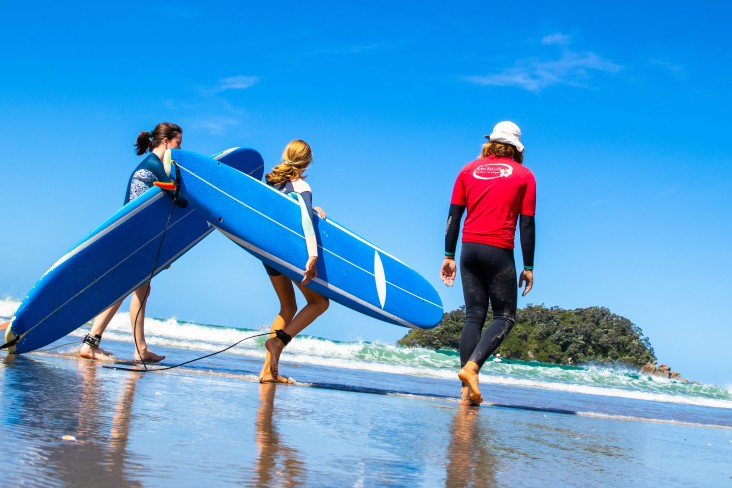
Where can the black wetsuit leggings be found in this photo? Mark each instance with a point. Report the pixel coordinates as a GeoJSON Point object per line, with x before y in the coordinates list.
{"type": "Point", "coordinates": [488, 276]}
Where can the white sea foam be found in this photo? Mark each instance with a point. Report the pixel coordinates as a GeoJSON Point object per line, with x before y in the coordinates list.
{"type": "Point", "coordinates": [8, 306]}
{"type": "Point", "coordinates": [621, 382]}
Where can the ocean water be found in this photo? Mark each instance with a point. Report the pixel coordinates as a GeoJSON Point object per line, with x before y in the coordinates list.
{"type": "Point", "coordinates": [360, 414]}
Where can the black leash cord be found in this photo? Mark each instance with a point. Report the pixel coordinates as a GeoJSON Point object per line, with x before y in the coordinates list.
{"type": "Point", "coordinates": [142, 305]}
{"type": "Point", "coordinates": [146, 370]}
{"type": "Point", "coordinates": [155, 265]}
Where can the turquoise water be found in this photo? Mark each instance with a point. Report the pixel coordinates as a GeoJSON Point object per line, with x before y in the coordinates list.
{"type": "Point", "coordinates": [361, 414]}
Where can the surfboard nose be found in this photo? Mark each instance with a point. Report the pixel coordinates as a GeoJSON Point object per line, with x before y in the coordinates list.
{"type": "Point", "coordinates": [10, 337]}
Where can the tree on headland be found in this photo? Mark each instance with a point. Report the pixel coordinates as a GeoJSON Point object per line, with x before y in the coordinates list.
{"type": "Point", "coordinates": [552, 335]}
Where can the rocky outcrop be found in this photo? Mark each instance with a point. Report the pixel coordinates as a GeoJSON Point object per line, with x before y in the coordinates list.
{"type": "Point", "coordinates": [663, 371]}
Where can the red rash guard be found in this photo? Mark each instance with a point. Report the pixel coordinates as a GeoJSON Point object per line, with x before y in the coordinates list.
{"type": "Point", "coordinates": [495, 191]}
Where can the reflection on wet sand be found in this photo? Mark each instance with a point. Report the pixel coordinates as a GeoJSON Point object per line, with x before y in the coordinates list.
{"type": "Point", "coordinates": [65, 414]}
{"type": "Point", "coordinates": [102, 448]}
{"type": "Point", "coordinates": [277, 464]}
{"type": "Point", "coordinates": [470, 459]}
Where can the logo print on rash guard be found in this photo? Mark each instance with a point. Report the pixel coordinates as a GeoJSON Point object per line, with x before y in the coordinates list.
{"type": "Point", "coordinates": [492, 171]}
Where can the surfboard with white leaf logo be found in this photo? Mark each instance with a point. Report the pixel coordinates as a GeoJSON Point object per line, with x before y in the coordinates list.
{"type": "Point", "coordinates": [268, 224]}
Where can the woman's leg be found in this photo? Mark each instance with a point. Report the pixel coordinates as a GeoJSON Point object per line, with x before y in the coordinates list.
{"type": "Point", "coordinates": [137, 320]}
{"type": "Point", "coordinates": [316, 305]}
{"type": "Point", "coordinates": [101, 322]}
{"type": "Point", "coordinates": [288, 307]}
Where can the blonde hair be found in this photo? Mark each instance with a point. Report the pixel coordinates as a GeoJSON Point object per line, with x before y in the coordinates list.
{"type": "Point", "coordinates": [501, 150]}
{"type": "Point", "coordinates": [295, 159]}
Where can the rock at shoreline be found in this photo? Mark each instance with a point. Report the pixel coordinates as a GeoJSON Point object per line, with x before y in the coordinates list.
{"type": "Point", "coordinates": [664, 371]}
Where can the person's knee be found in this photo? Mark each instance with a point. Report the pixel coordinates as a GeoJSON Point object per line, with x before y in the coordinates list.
{"type": "Point", "coordinates": [288, 311]}
{"type": "Point", "coordinates": [507, 316]}
{"type": "Point", "coordinates": [321, 304]}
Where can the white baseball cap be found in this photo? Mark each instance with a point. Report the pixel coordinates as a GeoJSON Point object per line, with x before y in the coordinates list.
{"type": "Point", "coordinates": [508, 133]}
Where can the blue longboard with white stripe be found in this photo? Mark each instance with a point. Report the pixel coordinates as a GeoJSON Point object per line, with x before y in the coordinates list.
{"type": "Point", "coordinates": [115, 259]}
{"type": "Point", "coordinates": [268, 224]}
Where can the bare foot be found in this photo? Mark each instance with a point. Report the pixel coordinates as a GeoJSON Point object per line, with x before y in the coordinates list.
{"type": "Point", "coordinates": [268, 378]}
{"type": "Point", "coordinates": [469, 376]}
{"type": "Point", "coordinates": [465, 397]}
{"type": "Point", "coordinates": [96, 354]}
{"type": "Point", "coordinates": [148, 357]}
{"type": "Point", "coordinates": [265, 376]}
{"type": "Point", "coordinates": [274, 346]}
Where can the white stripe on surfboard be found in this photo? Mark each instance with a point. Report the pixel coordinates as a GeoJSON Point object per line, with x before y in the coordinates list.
{"type": "Point", "coordinates": [325, 284]}
{"type": "Point", "coordinates": [147, 277]}
{"type": "Point", "coordinates": [218, 157]}
{"type": "Point", "coordinates": [302, 236]}
{"type": "Point", "coordinates": [104, 232]}
{"type": "Point", "coordinates": [332, 222]}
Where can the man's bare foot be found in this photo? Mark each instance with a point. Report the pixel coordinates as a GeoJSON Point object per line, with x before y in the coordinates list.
{"type": "Point", "coordinates": [465, 397]}
{"type": "Point", "coordinates": [274, 346]}
{"type": "Point", "coordinates": [147, 356]}
{"type": "Point", "coordinates": [469, 376]}
{"type": "Point", "coordinates": [96, 354]}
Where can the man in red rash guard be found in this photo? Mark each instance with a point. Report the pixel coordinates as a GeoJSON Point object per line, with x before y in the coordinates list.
{"type": "Point", "coordinates": [497, 191]}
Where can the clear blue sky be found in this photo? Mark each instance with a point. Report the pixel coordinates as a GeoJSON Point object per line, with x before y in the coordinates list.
{"type": "Point", "coordinates": [624, 109]}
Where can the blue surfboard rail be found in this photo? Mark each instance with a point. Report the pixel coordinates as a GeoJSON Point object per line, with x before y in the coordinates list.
{"type": "Point", "coordinates": [268, 224]}
{"type": "Point", "coordinates": [113, 260]}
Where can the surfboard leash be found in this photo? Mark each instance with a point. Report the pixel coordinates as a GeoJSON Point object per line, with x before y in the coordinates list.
{"type": "Point", "coordinates": [146, 370]}
{"type": "Point", "coordinates": [157, 257]}
{"type": "Point", "coordinates": [11, 343]}
{"type": "Point", "coordinates": [142, 361]}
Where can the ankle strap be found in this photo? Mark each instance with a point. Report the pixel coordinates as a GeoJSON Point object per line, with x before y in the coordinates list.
{"type": "Point", "coordinates": [283, 336]}
{"type": "Point", "coordinates": [92, 340]}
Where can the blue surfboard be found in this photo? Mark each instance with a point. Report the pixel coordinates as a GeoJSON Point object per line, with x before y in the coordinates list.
{"type": "Point", "coordinates": [115, 259]}
{"type": "Point", "coordinates": [268, 224]}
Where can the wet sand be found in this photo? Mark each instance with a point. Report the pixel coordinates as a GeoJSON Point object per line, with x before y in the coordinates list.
{"type": "Point", "coordinates": [71, 422]}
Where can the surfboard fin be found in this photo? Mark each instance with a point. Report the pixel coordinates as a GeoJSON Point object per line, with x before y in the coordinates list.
{"type": "Point", "coordinates": [167, 160]}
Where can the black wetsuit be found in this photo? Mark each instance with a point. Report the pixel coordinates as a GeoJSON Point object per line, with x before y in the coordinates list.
{"type": "Point", "coordinates": [489, 278]}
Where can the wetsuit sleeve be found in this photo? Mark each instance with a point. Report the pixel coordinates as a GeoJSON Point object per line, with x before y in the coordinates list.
{"type": "Point", "coordinates": [528, 239]}
{"type": "Point", "coordinates": [305, 199]}
{"type": "Point", "coordinates": [452, 230]}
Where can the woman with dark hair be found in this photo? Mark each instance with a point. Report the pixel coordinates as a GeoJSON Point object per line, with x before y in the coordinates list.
{"type": "Point", "coordinates": [288, 178]}
{"type": "Point", "coordinates": [164, 136]}
{"type": "Point", "coordinates": [497, 191]}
